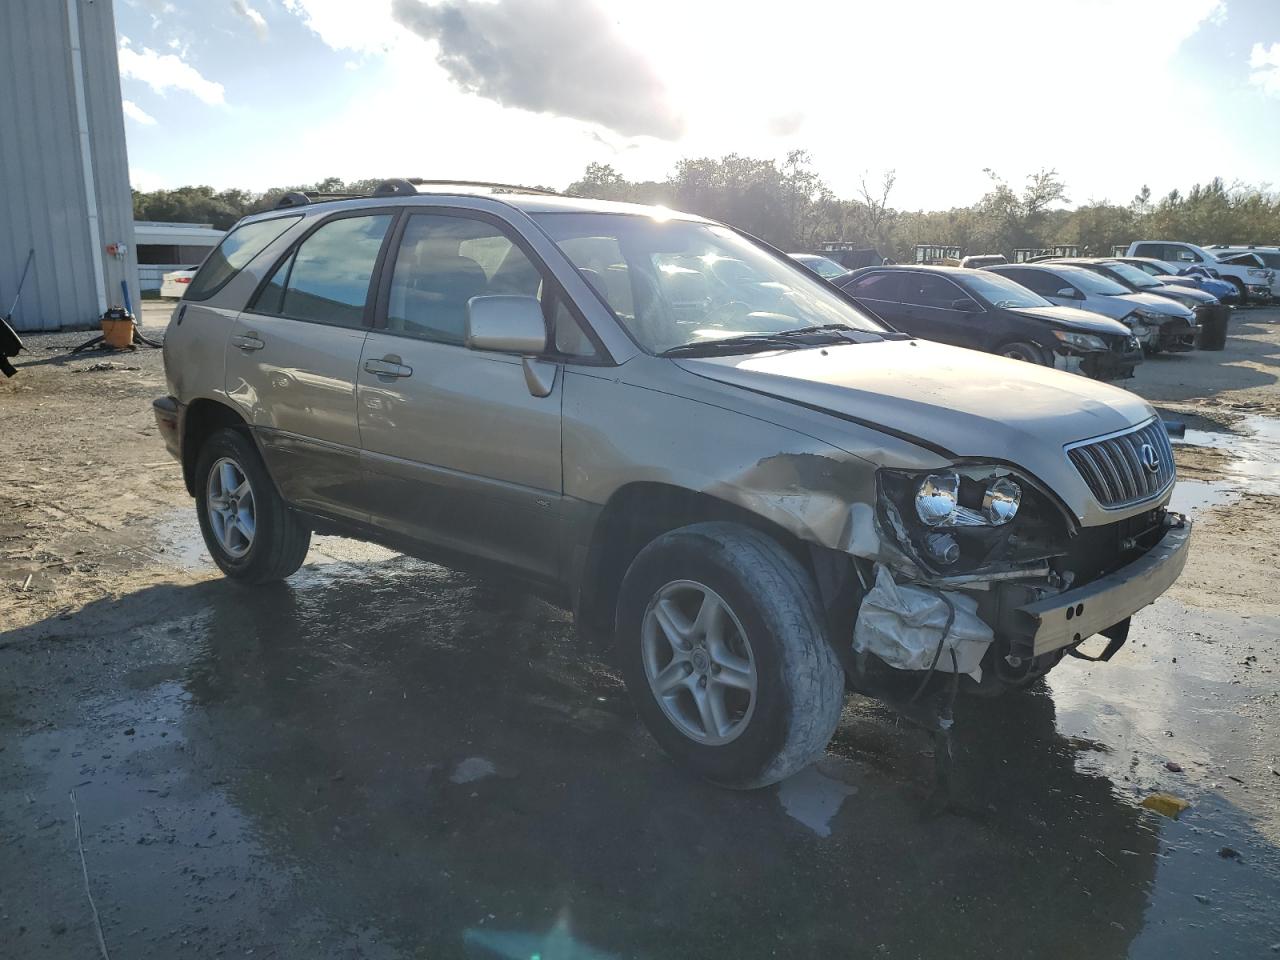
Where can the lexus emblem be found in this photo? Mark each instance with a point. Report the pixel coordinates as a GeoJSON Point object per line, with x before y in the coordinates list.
{"type": "Point", "coordinates": [1150, 459]}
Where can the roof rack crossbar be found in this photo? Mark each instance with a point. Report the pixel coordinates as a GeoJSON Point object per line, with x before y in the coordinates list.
{"type": "Point", "coordinates": [513, 187]}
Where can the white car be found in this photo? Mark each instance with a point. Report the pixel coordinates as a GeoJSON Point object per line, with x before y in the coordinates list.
{"type": "Point", "coordinates": [174, 283]}
{"type": "Point", "coordinates": [1252, 278]}
{"type": "Point", "coordinates": [1270, 257]}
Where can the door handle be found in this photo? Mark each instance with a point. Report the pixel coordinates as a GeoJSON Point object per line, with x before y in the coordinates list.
{"type": "Point", "coordinates": [389, 366]}
{"type": "Point", "coordinates": [248, 343]}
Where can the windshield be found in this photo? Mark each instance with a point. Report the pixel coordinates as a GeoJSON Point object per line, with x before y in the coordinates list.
{"type": "Point", "coordinates": [1131, 274]}
{"type": "Point", "coordinates": [1094, 283]}
{"type": "Point", "coordinates": [823, 267]}
{"type": "Point", "coordinates": [1002, 292]}
{"type": "Point", "coordinates": [676, 282]}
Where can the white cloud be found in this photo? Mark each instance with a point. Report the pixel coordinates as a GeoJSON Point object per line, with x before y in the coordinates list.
{"type": "Point", "coordinates": [137, 114]}
{"type": "Point", "coordinates": [361, 27]}
{"type": "Point", "coordinates": [165, 71]}
{"type": "Point", "coordinates": [1264, 66]}
{"type": "Point", "coordinates": [253, 16]}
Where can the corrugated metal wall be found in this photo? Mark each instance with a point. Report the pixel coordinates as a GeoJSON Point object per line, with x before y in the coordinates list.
{"type": "Point", "coordinates": [43, 192]}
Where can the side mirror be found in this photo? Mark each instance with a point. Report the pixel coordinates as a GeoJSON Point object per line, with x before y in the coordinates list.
{"type": "Point", "coordinates": [506, 324]}
{"type": "Point", "coordinates": [964, 305]}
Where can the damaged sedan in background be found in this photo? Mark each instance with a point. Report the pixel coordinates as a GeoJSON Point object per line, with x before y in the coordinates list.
{"type": "Point", "coordinates": [755, 493]}
{"type": "Point", "coordinates": [984, 311]}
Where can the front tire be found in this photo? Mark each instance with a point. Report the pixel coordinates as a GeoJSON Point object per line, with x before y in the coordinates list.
{"type": "Point", "coordinates": [251, 534]}
{"type": "Point", "coordinates": [724, 651]}
{"type": "Point", "coordinates": [1021, 350]}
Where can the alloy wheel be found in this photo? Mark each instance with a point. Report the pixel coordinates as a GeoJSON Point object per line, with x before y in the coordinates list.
{"type": "Point", "coordinates": [232, 512]}
{"type": "Point", "coordinates": [698, 662]}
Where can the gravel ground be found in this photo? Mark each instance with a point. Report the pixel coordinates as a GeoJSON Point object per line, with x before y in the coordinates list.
{"type": "Point", "coordinates": [385, 759]}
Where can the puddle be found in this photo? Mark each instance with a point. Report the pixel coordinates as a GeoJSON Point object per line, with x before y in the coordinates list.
{"type": "Point", "coordinates": [1195, 496]}
{"type": "Point", "coordinates": [812, 798]}
{"type": "Point", "coordinates": [1253, 444]}
{"type": "Point", "coordinates": [178, 540]}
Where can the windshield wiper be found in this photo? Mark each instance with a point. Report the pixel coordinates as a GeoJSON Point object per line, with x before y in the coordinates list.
{"type": "Point", "coordinates": [784, 339]}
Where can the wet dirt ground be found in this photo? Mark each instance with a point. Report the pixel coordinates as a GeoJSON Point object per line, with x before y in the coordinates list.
{"type": "Point", "coordinates": [384, 759]}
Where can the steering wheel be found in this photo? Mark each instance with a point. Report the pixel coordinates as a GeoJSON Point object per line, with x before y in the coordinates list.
{"type": "Point", "coordinates": [730, 312]}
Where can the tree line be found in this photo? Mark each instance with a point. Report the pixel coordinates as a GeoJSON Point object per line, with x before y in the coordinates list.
{"type": "Point", "coordinates": [787, 204]}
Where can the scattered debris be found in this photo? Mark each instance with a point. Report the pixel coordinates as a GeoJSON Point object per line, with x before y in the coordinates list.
{"type": "Point", "coordinates": [1229, 853]}
{"type": "Point", "coordinates": [1173, 767]}
{"type": "Point", "coordinates": [1165, 804]}
{"type": "Point", "coordinates": [1202, 898]}
{"type": "Point", "coordinates": [104, 365]}
{"type": "Point", "coordinates": [1232, 776]}
{"type": "Point", "coordinates": [84, 867]}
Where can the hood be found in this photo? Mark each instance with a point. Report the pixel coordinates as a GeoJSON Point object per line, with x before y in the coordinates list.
{"type": "Point", "coordinates": [1076, 319]}
{"type": "Point", "coordinates": [957, 402]}
{"type": "Point", "coordinates": [1191, 293]}
{"type": "Point", "coordinates": [1152, 304]}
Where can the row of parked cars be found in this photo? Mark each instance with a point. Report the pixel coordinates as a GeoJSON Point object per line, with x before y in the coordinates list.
{"type": "Point", "coordinates": [1091, 315]}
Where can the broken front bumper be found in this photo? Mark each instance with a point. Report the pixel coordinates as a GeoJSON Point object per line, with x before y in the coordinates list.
{"type": "Point", "coordinates": [1067, 618]}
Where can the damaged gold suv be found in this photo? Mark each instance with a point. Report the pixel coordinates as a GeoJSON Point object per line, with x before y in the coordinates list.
{"type": "Point", "coordinates": [759, 495]}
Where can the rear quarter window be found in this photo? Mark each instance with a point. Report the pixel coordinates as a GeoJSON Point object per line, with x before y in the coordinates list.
{"type": "Point", "coordinates": [235, 252]}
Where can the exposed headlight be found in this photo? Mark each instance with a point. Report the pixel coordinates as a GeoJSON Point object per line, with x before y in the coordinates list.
{"type": "Point", "coordinates": [937, 498]}
{"type": "Point", "coordinates": [1001, 501]}
{"type": "Point", "coordinates": [938, 502]}
{"type": "Point", "coordinates": [1081, 341]}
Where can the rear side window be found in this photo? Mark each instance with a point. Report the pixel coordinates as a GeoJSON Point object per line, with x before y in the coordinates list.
{"type": "Point", "coordinates": [886, 286]}
{"type": "Point", "coordinates": [234, 252]}
{"type": "Point", "coordinates": [327, 279]}
{"type": "Point", "coordinates": [1039, 281]}
{"type": "Point", "coordinates": [928, 290]}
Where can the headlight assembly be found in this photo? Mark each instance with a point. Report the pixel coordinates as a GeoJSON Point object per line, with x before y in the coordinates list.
{"type": "Point", "coordinates": [1081, 341]}
{"type": "Point", "coordinates": [965, 516]}
{"type": "Point", "coordinates": [937, 501]}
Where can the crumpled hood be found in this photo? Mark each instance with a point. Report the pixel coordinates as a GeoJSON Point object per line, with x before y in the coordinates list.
{"type": "Point", "coordinates": [957, 402]}
{"type": "Point", "coordinates": [1075, 319]}
{"type": "Point", "coordinates": [1154, 304]}
{"type": "Point", "coordinates": [1194, 293]}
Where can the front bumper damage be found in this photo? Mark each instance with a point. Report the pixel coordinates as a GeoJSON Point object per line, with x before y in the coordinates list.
{"type": "Point", "coordinates": [1118, 363]}
{"type": "Point", "coordinates": [1038, 600]}
{"type": "Point", "coordinates": [1064, 619]}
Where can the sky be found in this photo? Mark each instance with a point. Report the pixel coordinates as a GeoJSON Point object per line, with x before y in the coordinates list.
{"type": "Point", "coordinates": [1113, 94]}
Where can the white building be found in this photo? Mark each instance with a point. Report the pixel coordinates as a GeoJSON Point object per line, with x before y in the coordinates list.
{"type": "Point", "coordinates": [162, 247]}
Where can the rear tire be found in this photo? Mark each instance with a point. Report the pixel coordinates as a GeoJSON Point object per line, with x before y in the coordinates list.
{"type": "Point", "coordinates": [1021, 350]}
{"type": "Point", "coordinates": [251, 534]}
{"type": "Point", "coordinates": [718, 613]}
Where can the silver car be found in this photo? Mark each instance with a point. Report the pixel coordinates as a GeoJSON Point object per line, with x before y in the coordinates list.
{"type": "Point", "coordinates": [754, 493]}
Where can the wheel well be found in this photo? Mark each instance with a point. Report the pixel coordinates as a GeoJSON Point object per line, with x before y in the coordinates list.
{"type": "Point", "coordinates": [636, 515]}
{"type": "Point", "coordinates": [202, 418]}
{"type": "Point", "coordinates": [1240, 287]}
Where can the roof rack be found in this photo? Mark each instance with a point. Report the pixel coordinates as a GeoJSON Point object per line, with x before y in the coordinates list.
{"type": "Point", "coordinates": [399, 187]}
{"type": "Point", "coordinates": [300, 198]}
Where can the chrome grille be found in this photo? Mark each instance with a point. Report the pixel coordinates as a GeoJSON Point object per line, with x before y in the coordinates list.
{"type": "Point", "coordinates": [1113, 466]}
